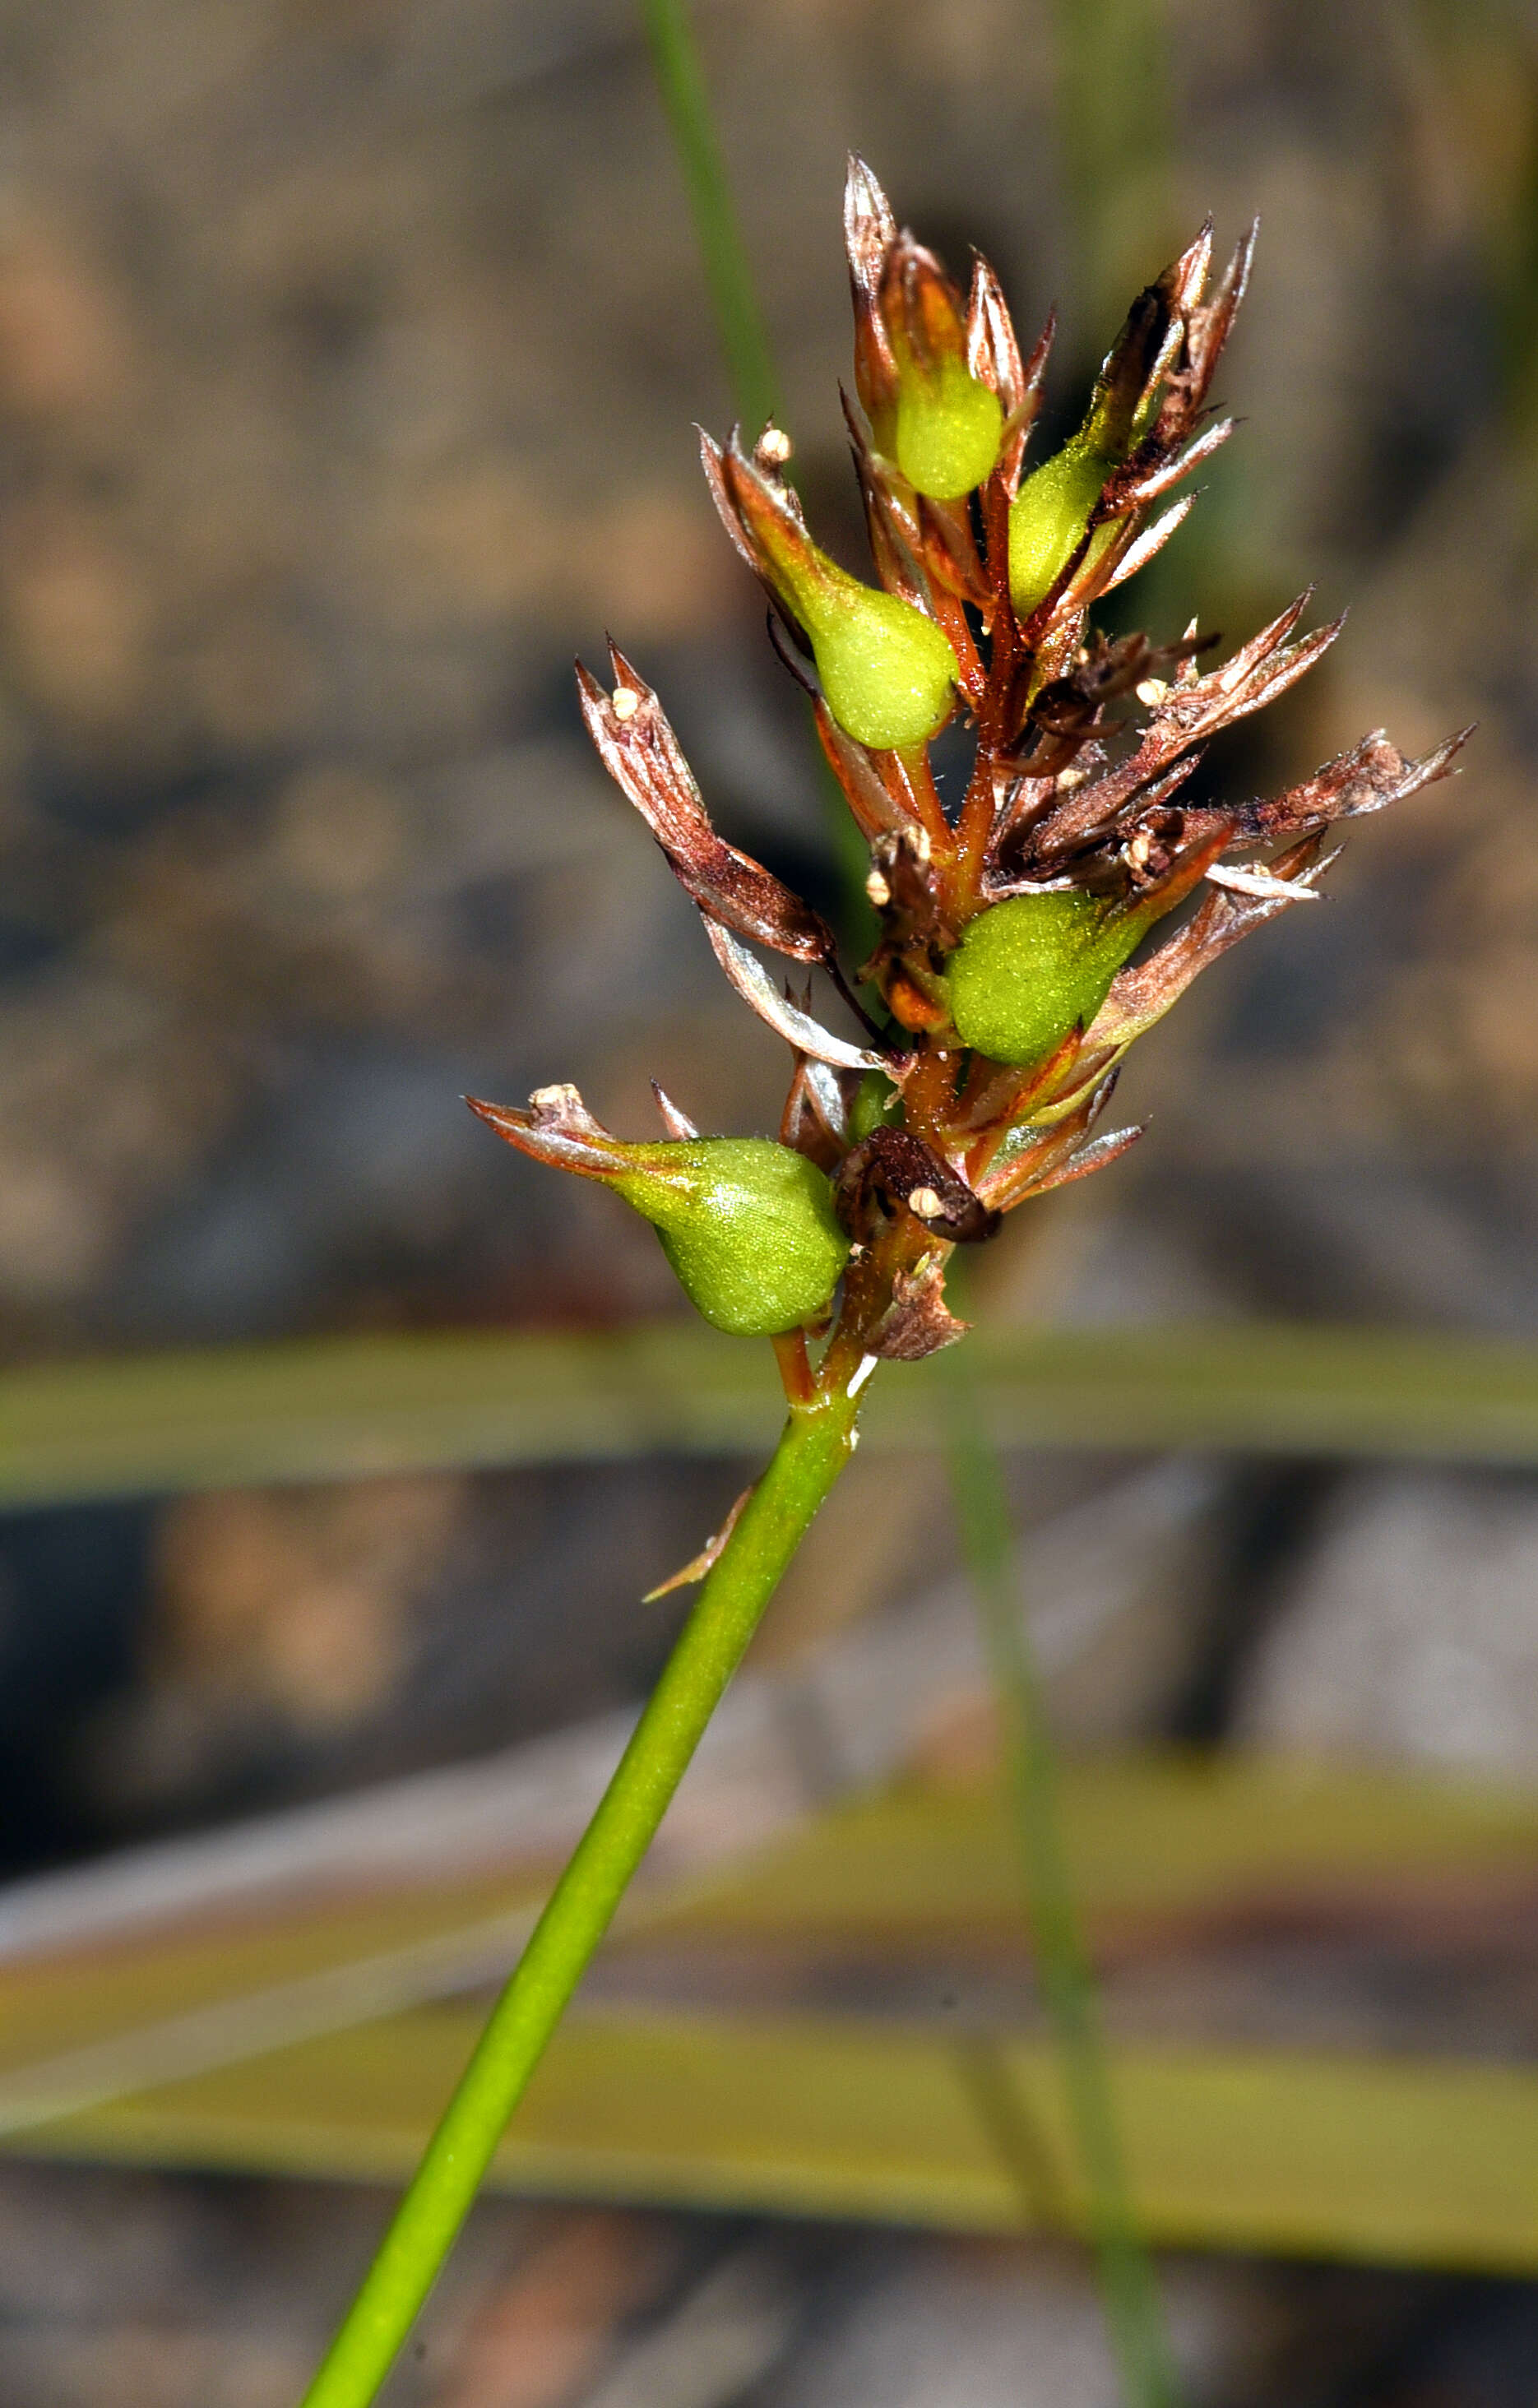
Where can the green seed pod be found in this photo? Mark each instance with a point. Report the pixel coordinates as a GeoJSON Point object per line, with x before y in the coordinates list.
{"type": "Point", "coordinates": [948, 427]}
{"type": "Point", "coordinates": [1026, 972]}
{"type": "Point", "coordinates": [748, 1227]}
{"type": "Point", "coordinates": [888, 673]}
{"type": "Point", "coordinates": [1047, 519]}
{"type": "Point", "coordinates": [878, 1104]}
{"type": "Point", "coordinates": [1050, 512]}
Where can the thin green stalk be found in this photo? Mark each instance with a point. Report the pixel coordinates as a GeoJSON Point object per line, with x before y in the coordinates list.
{"type": "Point", "coordinates": [739, 323]}
{"type": "Point", "coordinates": [1116, 143]}
{"type": "Point", "coordinates": [1128, 2289]}
{"type": "Point", "coordinates": [728, 273]}
{"type": "Point", "coordinates": [1130, 2298]}
{"type": "Point", "coordinates": [816, 1443]}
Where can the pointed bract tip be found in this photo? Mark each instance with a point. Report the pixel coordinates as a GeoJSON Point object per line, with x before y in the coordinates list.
{"type": "Point", "coordinates": [501, 1117]}
{"type": "Point", "coordinates": [864, 198]}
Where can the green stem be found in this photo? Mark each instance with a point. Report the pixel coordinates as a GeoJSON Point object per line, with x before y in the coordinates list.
{"type": "Point", "coordinates": [750, 362]}
{"type": "Point", "coordinates": [727, 270]}
{"type": "Point", "coordinates": [816, 1443]}
{"type": "Point", "coordinates": [1134, 2312]}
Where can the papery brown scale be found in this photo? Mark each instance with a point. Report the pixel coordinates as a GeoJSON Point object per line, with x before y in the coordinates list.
{"type": "Point", "coordinates": [913, 777]}
{"type": "Point", "coordinates": [879, 807]}
{"type": "Point", "coordinates": [1253, 676]}
{"type": "Point", "coordinates": [951, 554]}
{"type": "Point", "coordinates": [816, 1119]}
{"type": "Point", "coordinates": [1027, 802]}
{"type": "Point", "coordinates": [1132, 487]}
{"type": "Point", "coordinates": [919, 1321]}
{"type": "Point", "coordinates": [557, 1129]}
{"type": "Point", "coordinates": [642, 756]}
{"type": "Point", "coordinates": [895, 1165]}
{"type": "Point", "coordinates": [1132, 366]}
{"type": "Point", "coordinates": [1046, 1160]}
{"type": "Point", "coordinates": [1077, 822]}
{"type": "Point", "coordinates": [803, 1034]}
{"type": "Point", "coordinates": [1082, 1163]}
{"type": "Point", "coordinates": [892, 524]}
{"type": "Point", "coordinates": [678, 1125]}
{"type": "Point", "coordinates": [922, 307]}
{"type": "Point", "coordinates": [869, 232]}
{"type": "Point", "coordinates": [1112, 668]}
{"type": "Point", "coordinates": [1181, 283]}
{"type": "Point", "coordinates": [911, 911]}
{"type": "Point", "coordinates": [993, 349]}
{"type": "Point", "coordinates": [1142, 993]}
{"type": "Point", "coordinates": [1001, 1096]}
{"type": "Point", "coordinates": [1208, 327]}
{"type": "Point", "coordinates": [948, 595]}
{"type": "Point", "coordinates": [754, 504]}
{"type": "Point", "coordinates": [1023, 416]}
{"type": "Point", "coordinates": [712, 460]}
{"type": "Point", "coordinates": [1148, 544]}
{"type": "Point", "coordinates": [1054, 627]}
{"type": "Point", "coordinates": [1368, 778]}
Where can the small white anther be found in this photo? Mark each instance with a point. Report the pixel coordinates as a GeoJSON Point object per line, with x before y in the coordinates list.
{"type": "Point", "coordinates": [1071, 777]}
{"type": "Point", "coordinates": [1261, 884]}
{"type": "Point", "coordinates": [558, 1098]}
{"type": "Point", "coordinates": [878, 891]}
{"type": "Point", "coordinates": [919, 838]}
{"type": "Point", "coordinates": [774, 448]}
{"type": "Point", "coordinates": [925, 1202]}
{"type": "Point", "coordinates": [626, 704]}
{"type": "Point", "coordinates": [1152, 690]}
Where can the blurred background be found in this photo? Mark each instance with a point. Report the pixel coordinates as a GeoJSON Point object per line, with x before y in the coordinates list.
{"type": "Point", "coordinates": [349, 356]}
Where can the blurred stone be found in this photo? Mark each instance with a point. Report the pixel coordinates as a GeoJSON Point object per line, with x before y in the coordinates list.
{"type": "Point", "coordinates": [1408, 1630]}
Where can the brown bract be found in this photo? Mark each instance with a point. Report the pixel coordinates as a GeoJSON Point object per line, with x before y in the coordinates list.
{"type": "Point", "coordinates": [642, 756]}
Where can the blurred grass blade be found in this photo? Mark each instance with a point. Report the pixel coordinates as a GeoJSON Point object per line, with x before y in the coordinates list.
{"type": "Point", "coordinates": [1427, 2160]}
{"type": "Point", "coordinates": [344, 1408]}
{"type": "Point", "coordinates": [1115, 138]}
{"type": "Point", "coordinates": [1130, 2295]}
{"type": "Point", "coordinates": [1399, 2160]}
{"type": "Point", "coordinates": [733, 294]}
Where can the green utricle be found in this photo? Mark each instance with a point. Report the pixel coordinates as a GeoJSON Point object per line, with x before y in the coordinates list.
{"type": "Point", "coordinates": [748, 1227]}
{"type": "Point", "coordinates": [948, 427]}
{"type": "Point", "coordinates": [1030, 969]}
{"type": "Point", "coordinates": [1047, 519]}
{"type": "Point", "coordinates": [888, 673]}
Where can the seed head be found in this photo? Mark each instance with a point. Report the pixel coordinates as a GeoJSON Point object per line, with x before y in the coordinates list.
{"type": "Point", "coordinates": [1009, 976]}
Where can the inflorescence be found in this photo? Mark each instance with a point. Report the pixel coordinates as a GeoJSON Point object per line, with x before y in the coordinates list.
{"type": "Point", "coordinates": [1001, 994]}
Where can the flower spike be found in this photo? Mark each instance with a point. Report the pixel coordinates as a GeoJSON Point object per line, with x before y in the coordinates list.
{"type": "Point", "coordinates": [1010, 971]}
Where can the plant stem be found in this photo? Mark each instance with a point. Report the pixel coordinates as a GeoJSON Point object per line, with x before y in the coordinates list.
{"type": "Point", "coordinates": [1130, 2294]}
{"type": "Point", "coordinates": [738, 320]}
{"type": "Point", "coordinates": [816, 1443]}
{"type": "Point", "coordinates": [740, 325]}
